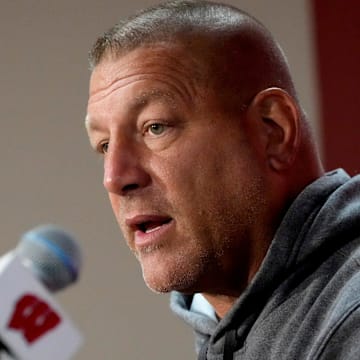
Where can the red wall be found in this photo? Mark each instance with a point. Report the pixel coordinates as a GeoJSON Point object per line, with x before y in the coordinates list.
{"type": "Point", "coordinates": [337, 41]}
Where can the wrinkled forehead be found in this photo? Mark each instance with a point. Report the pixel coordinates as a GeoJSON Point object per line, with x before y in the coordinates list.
{"type": "Point", "coordinates": [174, 61]}
{"type": "Point", "coordinates": [195, 68]}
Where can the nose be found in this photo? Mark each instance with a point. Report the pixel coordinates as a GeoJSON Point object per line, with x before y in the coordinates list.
{"type": "Point", "coordinates": [123, 172]}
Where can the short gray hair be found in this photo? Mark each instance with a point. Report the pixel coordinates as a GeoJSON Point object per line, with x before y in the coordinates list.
{"type": "Point", "coordinates": [167, 22]}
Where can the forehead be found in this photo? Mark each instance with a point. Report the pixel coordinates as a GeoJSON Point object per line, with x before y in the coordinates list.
{"type": "Point", "coordinates": [171, 65]}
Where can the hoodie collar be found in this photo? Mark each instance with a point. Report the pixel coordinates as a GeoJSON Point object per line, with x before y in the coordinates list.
{"type": "Point", "coordinates": [304, 231]}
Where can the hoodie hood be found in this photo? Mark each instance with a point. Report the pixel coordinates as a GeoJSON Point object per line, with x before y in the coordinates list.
{"type": "Point", "coordinates": [323, 218]}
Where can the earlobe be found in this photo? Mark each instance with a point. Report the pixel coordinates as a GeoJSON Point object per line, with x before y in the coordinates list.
{"type": "Point", "coordinates": [280, 122]}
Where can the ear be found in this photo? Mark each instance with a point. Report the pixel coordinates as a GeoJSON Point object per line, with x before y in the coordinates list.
{"type": "Point", "coordinates": [279, 119]}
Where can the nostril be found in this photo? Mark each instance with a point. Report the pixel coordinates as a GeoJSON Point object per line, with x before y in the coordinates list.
{"type": "Point", "coordinates": [129, 188]}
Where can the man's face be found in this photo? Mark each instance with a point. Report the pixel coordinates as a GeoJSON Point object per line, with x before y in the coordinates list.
{"type": "Point", "coordinates": [182, 178]}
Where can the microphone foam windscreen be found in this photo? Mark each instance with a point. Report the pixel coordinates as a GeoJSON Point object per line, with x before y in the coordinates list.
{"type": "Point", "coordinates": [52, 254]}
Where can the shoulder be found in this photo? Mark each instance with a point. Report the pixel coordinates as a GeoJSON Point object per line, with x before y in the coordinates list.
{"type": "Point", "coordinates": [342, 339]}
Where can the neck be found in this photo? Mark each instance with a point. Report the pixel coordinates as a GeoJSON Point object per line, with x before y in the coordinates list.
{"type": "Point", "coordinates": [221, 303]}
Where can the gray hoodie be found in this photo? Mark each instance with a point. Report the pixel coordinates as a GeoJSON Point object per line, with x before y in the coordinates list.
{"type": "Point", "coordinates": [304, 302]}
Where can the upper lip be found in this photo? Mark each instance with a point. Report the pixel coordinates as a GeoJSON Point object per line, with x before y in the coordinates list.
{"type": "Point", "coordinates": [140, 222]}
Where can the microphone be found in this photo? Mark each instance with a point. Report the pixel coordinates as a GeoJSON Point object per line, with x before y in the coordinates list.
{"type": "Point", "coordinates": [32, 324]}
{"type": "Point", "coordinates": [52, 254]}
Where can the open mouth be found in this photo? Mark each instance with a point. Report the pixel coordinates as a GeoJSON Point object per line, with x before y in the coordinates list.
{"type": "Point", "coordinates": [150, 226]}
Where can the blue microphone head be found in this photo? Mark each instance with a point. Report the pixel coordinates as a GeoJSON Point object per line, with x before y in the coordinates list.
{"type": "Point", "coordinates": [52, 254]}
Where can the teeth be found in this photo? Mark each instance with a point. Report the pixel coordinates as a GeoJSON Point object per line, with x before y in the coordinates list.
{"type": "Point", "coordinates": [151, 226]}
{"type": "Point", "coordinates": [147, 231]}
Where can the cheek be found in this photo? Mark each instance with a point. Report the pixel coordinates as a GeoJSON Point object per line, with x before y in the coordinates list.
{"type": "Point", "coordinates": [193, 187]}
{"type": "Point", "coordinates": [210, 184]}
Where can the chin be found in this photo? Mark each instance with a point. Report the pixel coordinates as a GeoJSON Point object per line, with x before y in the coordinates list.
{"type": "Point", "coordinates": [164, 271]}
{"type": "Point", "coordinates": [169, 279]}
{"type": "Point", "coordinates": [157, 285]}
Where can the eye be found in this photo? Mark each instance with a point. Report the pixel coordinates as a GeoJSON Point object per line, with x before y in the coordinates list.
{"type": "Point", "coordinates": [103, 147]}
{"type": "Point", "coordinates": [156, 128]}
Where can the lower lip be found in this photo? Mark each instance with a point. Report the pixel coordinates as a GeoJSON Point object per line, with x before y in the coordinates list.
{"type": "Point", "coordinates": [153, 237]}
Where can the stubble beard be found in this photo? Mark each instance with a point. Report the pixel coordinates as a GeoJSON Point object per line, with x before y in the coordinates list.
{"type": "Point", "coordinates": [188, 268]}
{"type": "Point", "coordinates": [196, 268]}
{"type": "Point", "coordinates": [180, 271]}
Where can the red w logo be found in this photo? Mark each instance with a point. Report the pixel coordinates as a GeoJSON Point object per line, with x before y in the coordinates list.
{"type": "Point", "coordinates": [33, 317]}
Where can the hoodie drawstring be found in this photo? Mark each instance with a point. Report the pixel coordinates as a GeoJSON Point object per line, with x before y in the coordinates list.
{"type": "Point", "coordinates": [203, 351]}
{"type": "Point", "coordinates": [229, 347]}
{"type": "Point", "coordinates": [230, 344]}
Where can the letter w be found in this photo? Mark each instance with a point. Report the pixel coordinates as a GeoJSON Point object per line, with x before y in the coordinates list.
{"type": "Point", "coordinates": [33, 317]}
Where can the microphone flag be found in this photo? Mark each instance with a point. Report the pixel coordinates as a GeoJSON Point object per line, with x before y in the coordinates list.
{"type": "Point", "coordinates": [32, 324]}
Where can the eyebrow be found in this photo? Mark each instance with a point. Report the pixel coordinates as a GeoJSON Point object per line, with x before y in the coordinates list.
{"type": "Point", "coordinates": [138, 103]}
{"type": "Point", "coordinates": [145, 97]}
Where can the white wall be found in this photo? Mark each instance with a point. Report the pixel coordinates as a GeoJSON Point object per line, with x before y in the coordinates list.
{"type": "Point", "coordinates": [49, 174]}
